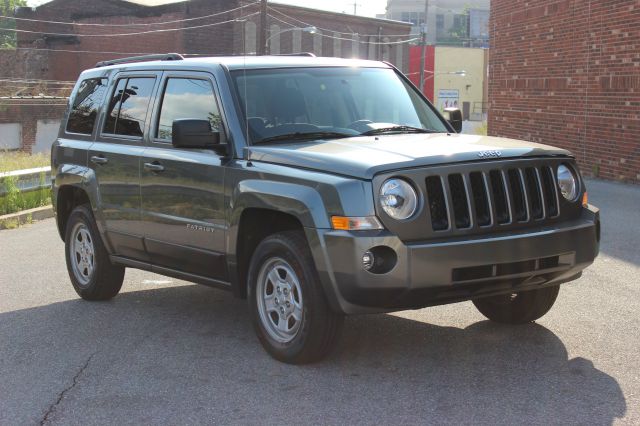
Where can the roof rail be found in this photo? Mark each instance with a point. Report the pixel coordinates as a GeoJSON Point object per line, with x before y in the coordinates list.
{"type": "Point", "coordinates": [157, 57]}
{"type": "Point", "coordinates": [295, 54]}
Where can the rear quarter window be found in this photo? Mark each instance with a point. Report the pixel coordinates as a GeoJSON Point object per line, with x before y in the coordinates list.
{"type": "Point", "coordinates": [85, 105]}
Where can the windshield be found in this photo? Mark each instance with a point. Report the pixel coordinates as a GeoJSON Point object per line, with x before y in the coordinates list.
{"type": "Point", "coordinates": [290, 103]}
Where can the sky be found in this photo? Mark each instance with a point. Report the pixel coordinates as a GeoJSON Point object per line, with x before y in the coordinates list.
{"type": "Point", "coordinates": [363, 7]}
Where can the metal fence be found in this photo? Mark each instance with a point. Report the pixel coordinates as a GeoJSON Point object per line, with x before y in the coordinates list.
{"type": "Point", "coordinates": [27, 180]}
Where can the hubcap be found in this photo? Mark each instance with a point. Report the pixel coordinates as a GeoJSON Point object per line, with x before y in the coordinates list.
{"type": "Point", "coordinates": [82, 253]}
{"type": "Point", "coordinates": [279, 300]}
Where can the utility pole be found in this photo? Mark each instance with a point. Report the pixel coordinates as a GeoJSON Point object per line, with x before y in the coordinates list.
{"type": "Point", "coordinates": [355, 7]}
{"type": "Point", "coordinates": [423, 57]}
{"type": "Point", "coordinates": [262, 42]}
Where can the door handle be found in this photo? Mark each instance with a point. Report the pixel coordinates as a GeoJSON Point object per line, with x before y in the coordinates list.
{"type": "Point", "coordinates": [154, 167]}
{"type": "Point", "coordinates": [99, 159]}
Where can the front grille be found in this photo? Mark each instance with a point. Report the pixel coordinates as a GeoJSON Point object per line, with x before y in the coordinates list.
{"type": "Point", "coordinates": [492, 197]}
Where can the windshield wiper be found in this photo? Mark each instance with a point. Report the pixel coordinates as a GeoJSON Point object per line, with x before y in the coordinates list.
{"type": "Point", "coordinates": [396, 129]}
{"type": "Point", "coordinates": [297, 136]}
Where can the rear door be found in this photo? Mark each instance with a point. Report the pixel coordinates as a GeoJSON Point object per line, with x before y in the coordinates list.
{"type": "Point", "coordinates": [183, 189]}
{"type": "Point", "coordinates": [115, 158]}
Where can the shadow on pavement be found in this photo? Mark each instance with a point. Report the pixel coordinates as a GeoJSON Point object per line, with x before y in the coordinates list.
{"type": "Point", "coordinates": [187, 354]}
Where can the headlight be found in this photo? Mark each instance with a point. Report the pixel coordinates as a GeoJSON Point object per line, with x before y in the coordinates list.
{"type": "Point", "coordinates": [567, 182]}
{"type": "Point", "coordinates": [398, 199]}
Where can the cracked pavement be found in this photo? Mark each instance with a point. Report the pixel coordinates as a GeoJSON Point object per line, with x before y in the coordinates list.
{"type": "Point", "coordinates": [169, 352]}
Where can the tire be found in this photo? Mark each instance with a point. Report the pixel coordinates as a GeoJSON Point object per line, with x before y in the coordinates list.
{"type": "Point", "coordinates": [283, 283]}
{"type": "Point", "coordinates": [92, 274]}
{"type": "Point", "coordinates": [518, 308]}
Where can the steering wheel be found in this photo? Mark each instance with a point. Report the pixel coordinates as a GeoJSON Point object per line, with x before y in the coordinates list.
{"type": "Point", "coordinates": [360, 125]}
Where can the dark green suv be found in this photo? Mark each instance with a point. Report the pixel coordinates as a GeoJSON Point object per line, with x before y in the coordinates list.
{"type": "Point", "coordinates": [313, 187]}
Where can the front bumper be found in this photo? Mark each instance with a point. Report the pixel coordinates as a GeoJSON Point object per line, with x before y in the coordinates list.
{"type": "Point", "coordinates": [436, 273]}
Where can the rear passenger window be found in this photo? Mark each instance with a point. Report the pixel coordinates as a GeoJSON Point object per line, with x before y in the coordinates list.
{"type": "Point", "coordinates": [187, 98]}
{"type": "Point", "coordinates": [128, 107]}
{"type": "Point", "coordinates": [86, 103]}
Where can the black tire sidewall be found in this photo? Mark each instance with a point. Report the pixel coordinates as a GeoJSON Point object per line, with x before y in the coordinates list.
{"type": "Point", "coordinates": [280, 246]}
{"type": "Point", "coordinates": [103, 269]}
{"type": "Point", "coordinates": [528, 306]}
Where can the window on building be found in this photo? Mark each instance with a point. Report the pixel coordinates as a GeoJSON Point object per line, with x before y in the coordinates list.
{"type": "Point", "coordinates": [460, 21]}
{"type": "Point", "coordinates": [85, 105]}
{"type": "Point", "coordinates": [414, 17]}
{"type": "Point", "coordinates": [128, 106]}
{"type": "Point", "coordinates": [187, 98]}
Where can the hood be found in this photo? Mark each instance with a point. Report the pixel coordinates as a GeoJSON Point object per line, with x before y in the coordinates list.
{"type": "Point", "coordinates": [364, 157]}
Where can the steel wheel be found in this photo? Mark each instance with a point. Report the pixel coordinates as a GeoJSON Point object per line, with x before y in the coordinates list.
{"type": "Point", "coordinates": [82, 253]}
{"type": "Point", "coordinates": [279, 298]}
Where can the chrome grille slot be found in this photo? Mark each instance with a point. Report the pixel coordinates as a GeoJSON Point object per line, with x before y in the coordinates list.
{"type": "Point", "coordinates": [461, 214]}
{"type": "Point", "coordinates": [437, 204]}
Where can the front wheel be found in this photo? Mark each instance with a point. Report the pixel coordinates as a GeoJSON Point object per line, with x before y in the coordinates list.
{"type": "Point", "coordinates": [518, 308]}
{"type": "Point", "coordinates": [92, 274]}
{"type": "Point", "coordinates": [288, 307]}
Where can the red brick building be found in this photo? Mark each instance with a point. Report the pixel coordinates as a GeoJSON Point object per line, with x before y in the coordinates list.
{"type": "Point", "coordinates": [59, 51]}
{"type": "Point", "coordinates": [567, 73]}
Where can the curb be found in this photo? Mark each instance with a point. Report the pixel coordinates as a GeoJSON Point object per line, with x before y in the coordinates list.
{"type": "Point", "coordinates": [20, 218]}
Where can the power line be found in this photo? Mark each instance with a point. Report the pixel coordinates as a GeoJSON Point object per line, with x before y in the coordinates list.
{"type": "Point", "coordinates": [359, 35]}
{"type": "Point", "coordinates": [35, 81]}
{"type": "Point", "coordinates": [324, 29]}
{"type": "Point", "coordinates": [129, 25]}
{"type": "Point", "coordinates": [86, 51]}
{"type": "Point", "coordinates": [130, 34]}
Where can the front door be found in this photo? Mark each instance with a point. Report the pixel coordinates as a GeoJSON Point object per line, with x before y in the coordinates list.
{"type": "Point", "coordinates": [183, 189]}
{"type": "Point", "coordinates": [115, 159]}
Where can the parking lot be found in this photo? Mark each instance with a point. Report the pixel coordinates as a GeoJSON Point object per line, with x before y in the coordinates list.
{"type": "Point", "coordinates": [165, 351]}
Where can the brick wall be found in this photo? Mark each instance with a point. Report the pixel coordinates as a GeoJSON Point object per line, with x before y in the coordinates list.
{"type": "Point", "coordinates": [567, 73]}
{"type": "Point", "coordinates": [27, 113]}
{"type": "Point", "coordinates": [225, 39]}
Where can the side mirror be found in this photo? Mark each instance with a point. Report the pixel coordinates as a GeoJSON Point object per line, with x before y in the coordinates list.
{"type": "Point", "coordinates": [192, 133]}
{"type": "Point", "coordinates": [454, 117]}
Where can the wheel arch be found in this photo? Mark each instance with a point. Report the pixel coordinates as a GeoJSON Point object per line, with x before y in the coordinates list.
{"type": "Point", "coordinates": [262, 208]}
{"type": "Point", "coordinates": [73, 185]}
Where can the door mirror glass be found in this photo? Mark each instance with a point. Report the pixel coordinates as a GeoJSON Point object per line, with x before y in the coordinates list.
{"type": "Point", "coordinates": [193, 133]}
{"type": "Point", "coordinates": [454, 117]}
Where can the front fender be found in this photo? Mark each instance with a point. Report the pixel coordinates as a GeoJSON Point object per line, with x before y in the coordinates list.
{"type": "Point", "coordinates": [302, 202]}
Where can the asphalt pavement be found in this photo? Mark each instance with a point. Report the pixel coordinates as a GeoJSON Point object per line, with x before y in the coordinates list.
{"type": "Point", "coordinates": [169, 352]}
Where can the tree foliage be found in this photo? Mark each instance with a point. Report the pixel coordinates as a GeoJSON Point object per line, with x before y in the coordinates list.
{"type": "Point", "coordinates": [7, 35]}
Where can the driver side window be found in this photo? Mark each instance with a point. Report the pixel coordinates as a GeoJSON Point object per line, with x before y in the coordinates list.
{"type": "Point", "coordinates": [187, 98]}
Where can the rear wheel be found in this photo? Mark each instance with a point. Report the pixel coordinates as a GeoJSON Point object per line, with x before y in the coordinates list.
{"type": "Point", "coordinates": [92, 274]}
{"type": "Point", "coordinates": [288, 307]}
{"type": "Point", "coordinates": [518, 308]}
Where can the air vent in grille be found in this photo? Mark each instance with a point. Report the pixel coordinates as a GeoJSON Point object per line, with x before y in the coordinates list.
{"type": "Point", "coordinates": [499, 197]}
{"type": "Point", "coordinates": [480, 200]}
{"type": "Point", "coordinates": [437, 204]}
{"type": "Point", "coordinates": [459, 200]}
{"type": "Point", "coordinates": [535, 194]}
{"type": "Point", "coordinates": [491, 198]}
{"type": "Point", "coordinates": [548, 185]}
{"type": "Point", "coordinates": [517, 195]}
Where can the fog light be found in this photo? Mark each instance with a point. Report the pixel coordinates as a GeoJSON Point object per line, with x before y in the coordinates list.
{"type": "Point", "coordinates": [367, 260]}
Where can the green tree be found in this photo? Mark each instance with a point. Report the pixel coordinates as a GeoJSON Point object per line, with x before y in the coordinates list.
{"type": "Point", "coordinates": [8, 39]}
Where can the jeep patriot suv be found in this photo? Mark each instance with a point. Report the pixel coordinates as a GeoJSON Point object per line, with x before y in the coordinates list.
{"type": "Point", "coordinates": [312, 187]}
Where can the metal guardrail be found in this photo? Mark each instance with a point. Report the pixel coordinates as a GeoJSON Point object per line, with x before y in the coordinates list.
{"type": "Point", "coordinates": [27, 180]}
